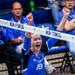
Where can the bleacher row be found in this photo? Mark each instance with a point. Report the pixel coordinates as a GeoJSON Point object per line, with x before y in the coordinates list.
{"type": "Point", "coordinates": [43, 19]}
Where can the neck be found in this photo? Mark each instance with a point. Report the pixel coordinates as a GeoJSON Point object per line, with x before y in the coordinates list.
{"type": "Point", "coordinates": [35, 52]}
{"type": "Point", "coordinates": [72, 10]}
{"type": "Point", "coordinates": [18, 18]}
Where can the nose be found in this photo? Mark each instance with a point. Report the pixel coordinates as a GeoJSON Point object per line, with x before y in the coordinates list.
{"type": "Point", "coordinates": [38, 40]}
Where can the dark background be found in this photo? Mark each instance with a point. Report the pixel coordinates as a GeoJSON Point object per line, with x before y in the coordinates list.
{"type": "Point", "coordinates": [6, 4]}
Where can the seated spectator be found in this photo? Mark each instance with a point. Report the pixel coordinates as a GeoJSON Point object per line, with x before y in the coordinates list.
{"type": "Point", "coordinates": [16, 37]}
{"type": "Point", "coordinates": [8, 53]}
{"type": "Point", "coordinates": [61, 3]}
{"type": "Point", "coordinates": [70, 25]}
{"type": "Point", "coordinates": [54, 5]}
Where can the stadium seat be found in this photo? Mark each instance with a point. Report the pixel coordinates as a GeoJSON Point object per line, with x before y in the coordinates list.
{"type": "Point", "coordinates": [6, 16]}
{"type": "Point", "coordinates": [43, 16]}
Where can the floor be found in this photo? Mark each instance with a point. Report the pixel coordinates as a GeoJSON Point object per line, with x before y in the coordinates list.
{"type": "Point", "coordinates": [66, 72]}
{"type": "Point", "coordinates": [3, 69]}
{"type": "Point", "coordinates": [57, 63]}
{"type": "Point", "coordinates": [57, 72]}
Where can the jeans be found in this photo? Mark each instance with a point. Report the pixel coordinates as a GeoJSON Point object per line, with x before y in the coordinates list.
{"type": "Point", "coordinates": [55, 9]}
{"type": "Point", "coordinates": [71, 46]}
{"type": "Point", "coordinates": [9, 56]}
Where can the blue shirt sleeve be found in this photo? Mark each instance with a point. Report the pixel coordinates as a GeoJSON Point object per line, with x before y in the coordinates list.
{"type": "Point", "coordinates": [27, 42]}
{"type": "Point", "coordinates": [3, 35]}
{"type": "Point", "coordinates": [51, 41]}
{"type": "Point", "coordinates": [60, 16]}
{"type": "Point", "coordinates": [9, 33]}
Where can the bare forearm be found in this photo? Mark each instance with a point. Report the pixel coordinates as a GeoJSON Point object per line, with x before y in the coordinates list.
{"type": "Point", "coordinates": [69, 25]}
{"type": "Point", "coordinates": [17, 41]}
{"type": "Point", "coordinates": [28, 34]}
{"type": "Point", "coordinates": [62, 23]}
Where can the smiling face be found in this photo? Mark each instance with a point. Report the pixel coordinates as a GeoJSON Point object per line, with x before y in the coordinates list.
{"type": "Point", "coordinates": [36, 42]}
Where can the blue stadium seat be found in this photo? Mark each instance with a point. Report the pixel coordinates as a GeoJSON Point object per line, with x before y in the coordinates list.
{"type": "Point", "coordinates": [6, 16]}
{"type": "Point", "coordinates": [42, 16]}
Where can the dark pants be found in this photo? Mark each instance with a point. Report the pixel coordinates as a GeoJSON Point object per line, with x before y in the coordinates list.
{"type": "Point", "coordinates": [9, 56]}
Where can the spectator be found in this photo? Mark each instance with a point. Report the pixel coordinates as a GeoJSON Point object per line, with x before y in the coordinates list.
{"type": "Point", "coordinates": [70, 25]}
{"type": "Point", "coordinates": [61, 3]}
{"type": "Point", "coordinates": [34, 58]}
{"type": "Point", "coordinates": [54, 6]}
{"type": "Point", "coordinates": [7, 52]}
{"type": "Point", "coordinates": [16, 37]}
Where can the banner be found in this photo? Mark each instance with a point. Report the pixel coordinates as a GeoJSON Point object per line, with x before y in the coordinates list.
{"type": "Point", "coordinates": [41, 31]}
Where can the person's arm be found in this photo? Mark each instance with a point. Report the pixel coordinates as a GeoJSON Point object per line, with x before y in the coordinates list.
{"type": "Point", "coordinates": [62, 23]}
{"type": "Point", "coordinates": [70, 25]}
{"type": "Point", "coordinates": [51, 41]}
{"type": "Point", "coordinates": [56, 3]}
{"type": "Point", "coordinates": [10, 34]}
{"type": "Point", "coordinates": [30, 18]}
{"type": "Point", "coordinates": [27, 39]}
{"type": "Point", "coordinates": [18, 40]}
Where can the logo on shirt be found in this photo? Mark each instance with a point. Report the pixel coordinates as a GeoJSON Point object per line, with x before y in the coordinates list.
{"type": "Point", "coordinates": [39, 66]}
{"type": "Point", "coordinates": [45, 27]}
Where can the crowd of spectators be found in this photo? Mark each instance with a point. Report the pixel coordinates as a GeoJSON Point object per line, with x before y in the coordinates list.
{"type": "Point", "coordinates": [13, 41]}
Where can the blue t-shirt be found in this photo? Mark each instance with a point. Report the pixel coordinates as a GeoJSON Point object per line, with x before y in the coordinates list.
{"type": "Point", "coordinates": [13, 33]}
{"type": "Point", "coordinates": [36, 65]}
{"type": "Point", "coordinates": [70, 17]}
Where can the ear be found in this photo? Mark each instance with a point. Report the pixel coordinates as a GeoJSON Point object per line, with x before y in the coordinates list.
{"type": "Point", "coordinates": [11, 10]}
{"type": "Point", "coordinates": [22, 10]}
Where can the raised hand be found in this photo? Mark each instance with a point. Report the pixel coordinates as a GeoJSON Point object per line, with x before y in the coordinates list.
{"type": "Point", "coordinates": [66, 11]}
{"type": "Point", "coordinates": [29, 18]}
{"type": "Point", "coordinates": [69, 25]}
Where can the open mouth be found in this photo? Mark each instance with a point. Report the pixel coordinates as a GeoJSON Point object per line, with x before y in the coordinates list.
{"type": "Point", "coordinates": [37, 45]}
